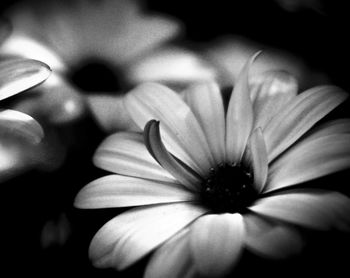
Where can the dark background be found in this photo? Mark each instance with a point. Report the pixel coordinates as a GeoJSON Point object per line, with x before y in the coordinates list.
{"type": "Point", "coordinates": [29, 201]}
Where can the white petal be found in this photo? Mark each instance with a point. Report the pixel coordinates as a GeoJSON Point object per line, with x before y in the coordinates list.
{"type": "Point", "coordinates": [276, 241]}
{"type": "Point", "coordinates": [135, 233]}
{"type": "Point", "coordinates": [181, 132]}
{"type": "Point", "coordinates": [207, 105]}
{"type": "Point", "coordinates": [171, 66]}
{"type": "Point", "coordinates": [23, 125]}
{"type": "Point", "coordinates": [183, 174]}
{"type": "Point", "coordinates": [239, 118]}
{"type": "Point", "coordinates": [338, 126]}
{"type": "Point", "coordinates": [274, 89]}
{"type": "Point", "coordinates": [110, 113]}
{"type": "Point", "coordinates": [309, 160]}
{"type": "Point", "coordinates": [216, 243]}
{"type": "Point", "coordinates": [299, 116]}
{"type": "Point", "coordinates": [121, 191]}
{"type": "Point", "coordinates": [125, 153]}
{"type": "Point", "coordinates": [25, 46]}
{"type": "Point", "coordinates": [18, 75]}
{"type": "Point", "coordinates": [258, 153]}
{"type": "Point", "coordinates": [317, 209]}
{"type": "Point", "coordinates": [173, 259]}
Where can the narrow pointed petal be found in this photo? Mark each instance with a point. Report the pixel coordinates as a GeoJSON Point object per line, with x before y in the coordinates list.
{"type": "Point", "coordinates": [181, 132]}
{"type": "Point", "coordinates": [275, 241]}
{"type": "Point", "coordinates": [299, 116]}
{"type": "Point", "coordinates": [239, 118]}
{"type": "Point", "coordinates": [310, 160]}
{"type": "Point", "coordinates": [316, 209]}
{"type": "Point", "coordinates": [216, 243]}
{"type": "Point", "coordinates": [274, 89]}
{"type": "Point", "coordinates": [125, 153]}
{"type": "Point", "coordinates": [175, 167]}
{"type": "Point", "coordinates": [121, 191]}
{"type": "Point", "coordinates": [18, 75]}
{"type": "Point", "coordinates": [132, 235]}
{"type": "Point", "coordinates": [21, 124]}
{"type": "Point", "coordinates": [259, 162]}
{"type": "Point", "coordinates": [207, 105]}
{"type": "Point", "coordinates": [173, 259]}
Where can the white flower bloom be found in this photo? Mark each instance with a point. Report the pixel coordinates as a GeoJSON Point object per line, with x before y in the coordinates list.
{"type": "Point", "coordinates": [206, 183]}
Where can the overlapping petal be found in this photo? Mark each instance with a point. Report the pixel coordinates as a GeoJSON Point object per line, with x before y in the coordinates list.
{"type": "Point", "coordinates": [216, 243]}
{"type": "Point", "coordinates": [173, 259]}
{"type": "Point", "coordinates": [121, 191]}
{"type": "Point", "coordinates": [258, 159]}
{"type": "Point", "coordinates": [299, 116]}
{"type": "Point", "coordinates": [270, 239]}
{"type": "Point", "coordinates": [125, 153]}
{"type": "Point", "coordinates": [312, 208]}
{"type": "Point", "coordinates": [270, 93]}
{"type": "Point", "coordinates": [239, 117]}
{"type": "Point", "coordinates": [184, 174]}
{"type": "Point", "coordinates": [310, 160]}
{"type": "Point", "coordinates": [131, 235]}
{"type": "Point", "coordinates": [178, 125]}
{"type": "Point", "coordinates": [207, 105]}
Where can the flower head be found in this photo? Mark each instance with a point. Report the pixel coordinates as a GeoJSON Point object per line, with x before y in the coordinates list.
{"type": "Point", "coordinates": [207, 181]}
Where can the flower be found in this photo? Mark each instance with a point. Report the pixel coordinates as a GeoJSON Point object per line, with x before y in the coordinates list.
{"type": "Point", "coordinates": [204, 184]}
{"type": "Point", "coordinates": [17, 128]}
{"type": "Point", "coordinates": [121, 35]}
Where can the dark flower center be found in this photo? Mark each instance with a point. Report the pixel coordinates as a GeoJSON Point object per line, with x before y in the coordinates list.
{"type": "Point", "coordinates": [228, 188]}
{"type": "Point", "coordinates": [96, 76]}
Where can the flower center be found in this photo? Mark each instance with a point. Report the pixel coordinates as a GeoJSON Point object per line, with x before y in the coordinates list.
{"type": "Point", "coordinates": [228, 188]}
{"type": "Point", "coordinates": [94, 75]}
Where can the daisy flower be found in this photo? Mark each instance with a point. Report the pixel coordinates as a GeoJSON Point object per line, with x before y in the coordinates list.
{"type": "Point", "coordinates": [119, 35]}
{"type": "Point", "coordinates": [206, 183]}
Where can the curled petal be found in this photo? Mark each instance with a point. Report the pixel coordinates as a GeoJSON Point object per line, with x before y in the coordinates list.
{"type": "Point", "coordinates": [125, 153]}
{"type": "Point", "coordinates": [178, 169]}
{"type": "Point", "coordinates": [181, 132]}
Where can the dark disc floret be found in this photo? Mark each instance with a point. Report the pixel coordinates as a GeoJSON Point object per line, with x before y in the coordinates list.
{"type": "Point", "coordinates": [228, 188]}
